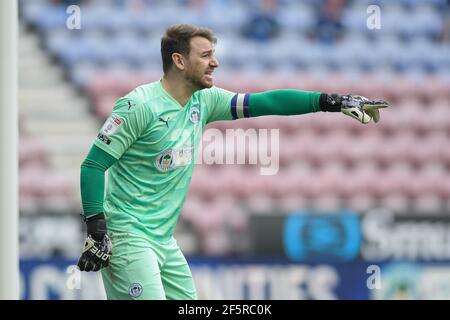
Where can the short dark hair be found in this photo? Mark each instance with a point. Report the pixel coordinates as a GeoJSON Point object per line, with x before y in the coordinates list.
{"type": "Point", "coordinates": [177, 39]}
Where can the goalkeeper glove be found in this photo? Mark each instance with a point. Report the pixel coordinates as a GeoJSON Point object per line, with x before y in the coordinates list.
{"type": "Point", "coordinates": [357, 107]}
{"type": "Point", "coordinates": [97, 247]}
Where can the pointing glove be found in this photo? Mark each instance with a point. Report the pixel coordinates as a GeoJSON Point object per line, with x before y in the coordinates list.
{"type": "Point", "coordinates": [357, 107]}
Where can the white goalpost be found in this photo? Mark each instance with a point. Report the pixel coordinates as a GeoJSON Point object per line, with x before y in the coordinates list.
{"type": "Point", "coordinates": [9, 239]}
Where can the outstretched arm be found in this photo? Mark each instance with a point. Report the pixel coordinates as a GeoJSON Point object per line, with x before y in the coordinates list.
{"type": "Point", "coordinates": [295, 102]}
{"type": "Point", "coordinates": [278, 102]}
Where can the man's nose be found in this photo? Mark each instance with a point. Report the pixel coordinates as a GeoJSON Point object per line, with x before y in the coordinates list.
{"type": "Point", "coordinates": [214, 62]}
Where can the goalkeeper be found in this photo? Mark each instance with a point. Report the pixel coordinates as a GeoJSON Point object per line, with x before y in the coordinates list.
{"type": "Point", "coordinates": [148, 145]}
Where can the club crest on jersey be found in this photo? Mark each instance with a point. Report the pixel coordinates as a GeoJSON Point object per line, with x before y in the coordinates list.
{"type": "Point", "coordinates": [164, 162]}
{"type": "Point", "coordinates": [194, 114]}
{"type": "Point", "coordinates": [174, 158]}
{"type": "Point", "coordinates": [135, 290]}
{"type": "Point", "coordinates": [111, 125]}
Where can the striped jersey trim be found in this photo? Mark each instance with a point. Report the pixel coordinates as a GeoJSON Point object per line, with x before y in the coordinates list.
{"type": "Point", "coordinates": [239, 106]}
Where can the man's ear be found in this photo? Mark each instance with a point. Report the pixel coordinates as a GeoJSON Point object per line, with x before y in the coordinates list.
{"type": "Point", "coordinates": [179, 61]}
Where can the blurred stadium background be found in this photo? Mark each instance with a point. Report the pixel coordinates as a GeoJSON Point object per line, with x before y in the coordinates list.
{"type": "Point", "coordinates": [346, 197]}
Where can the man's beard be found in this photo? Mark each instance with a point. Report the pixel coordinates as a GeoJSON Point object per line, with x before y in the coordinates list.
{"type": "Point", "coordinates": [196, 81]}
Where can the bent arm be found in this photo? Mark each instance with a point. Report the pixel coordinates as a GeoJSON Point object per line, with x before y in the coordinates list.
{"type": "Point", "coordinates": [92, 180]}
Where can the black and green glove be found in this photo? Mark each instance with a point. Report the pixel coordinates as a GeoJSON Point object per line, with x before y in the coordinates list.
{"type": "Point", "coordinates": [357, 107]}
{"type": "Point", "coordinates": [97, 247]}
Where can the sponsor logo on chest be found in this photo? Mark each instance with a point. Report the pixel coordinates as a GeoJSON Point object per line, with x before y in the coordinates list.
{"type": "Point", "coordinates": [173, 158]}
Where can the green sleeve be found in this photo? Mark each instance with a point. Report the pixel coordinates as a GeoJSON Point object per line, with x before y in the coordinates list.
{"type": "Point", "coordinates": [129, 120]}
{"type": "Point", "coordinates": [225, 105]}
{"type": "Point", "coordinates": [217, 102]}
{"type": "Point", "coordinates": [92, 180]}
{"type": "Point", "coordinates": [283, 103]}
